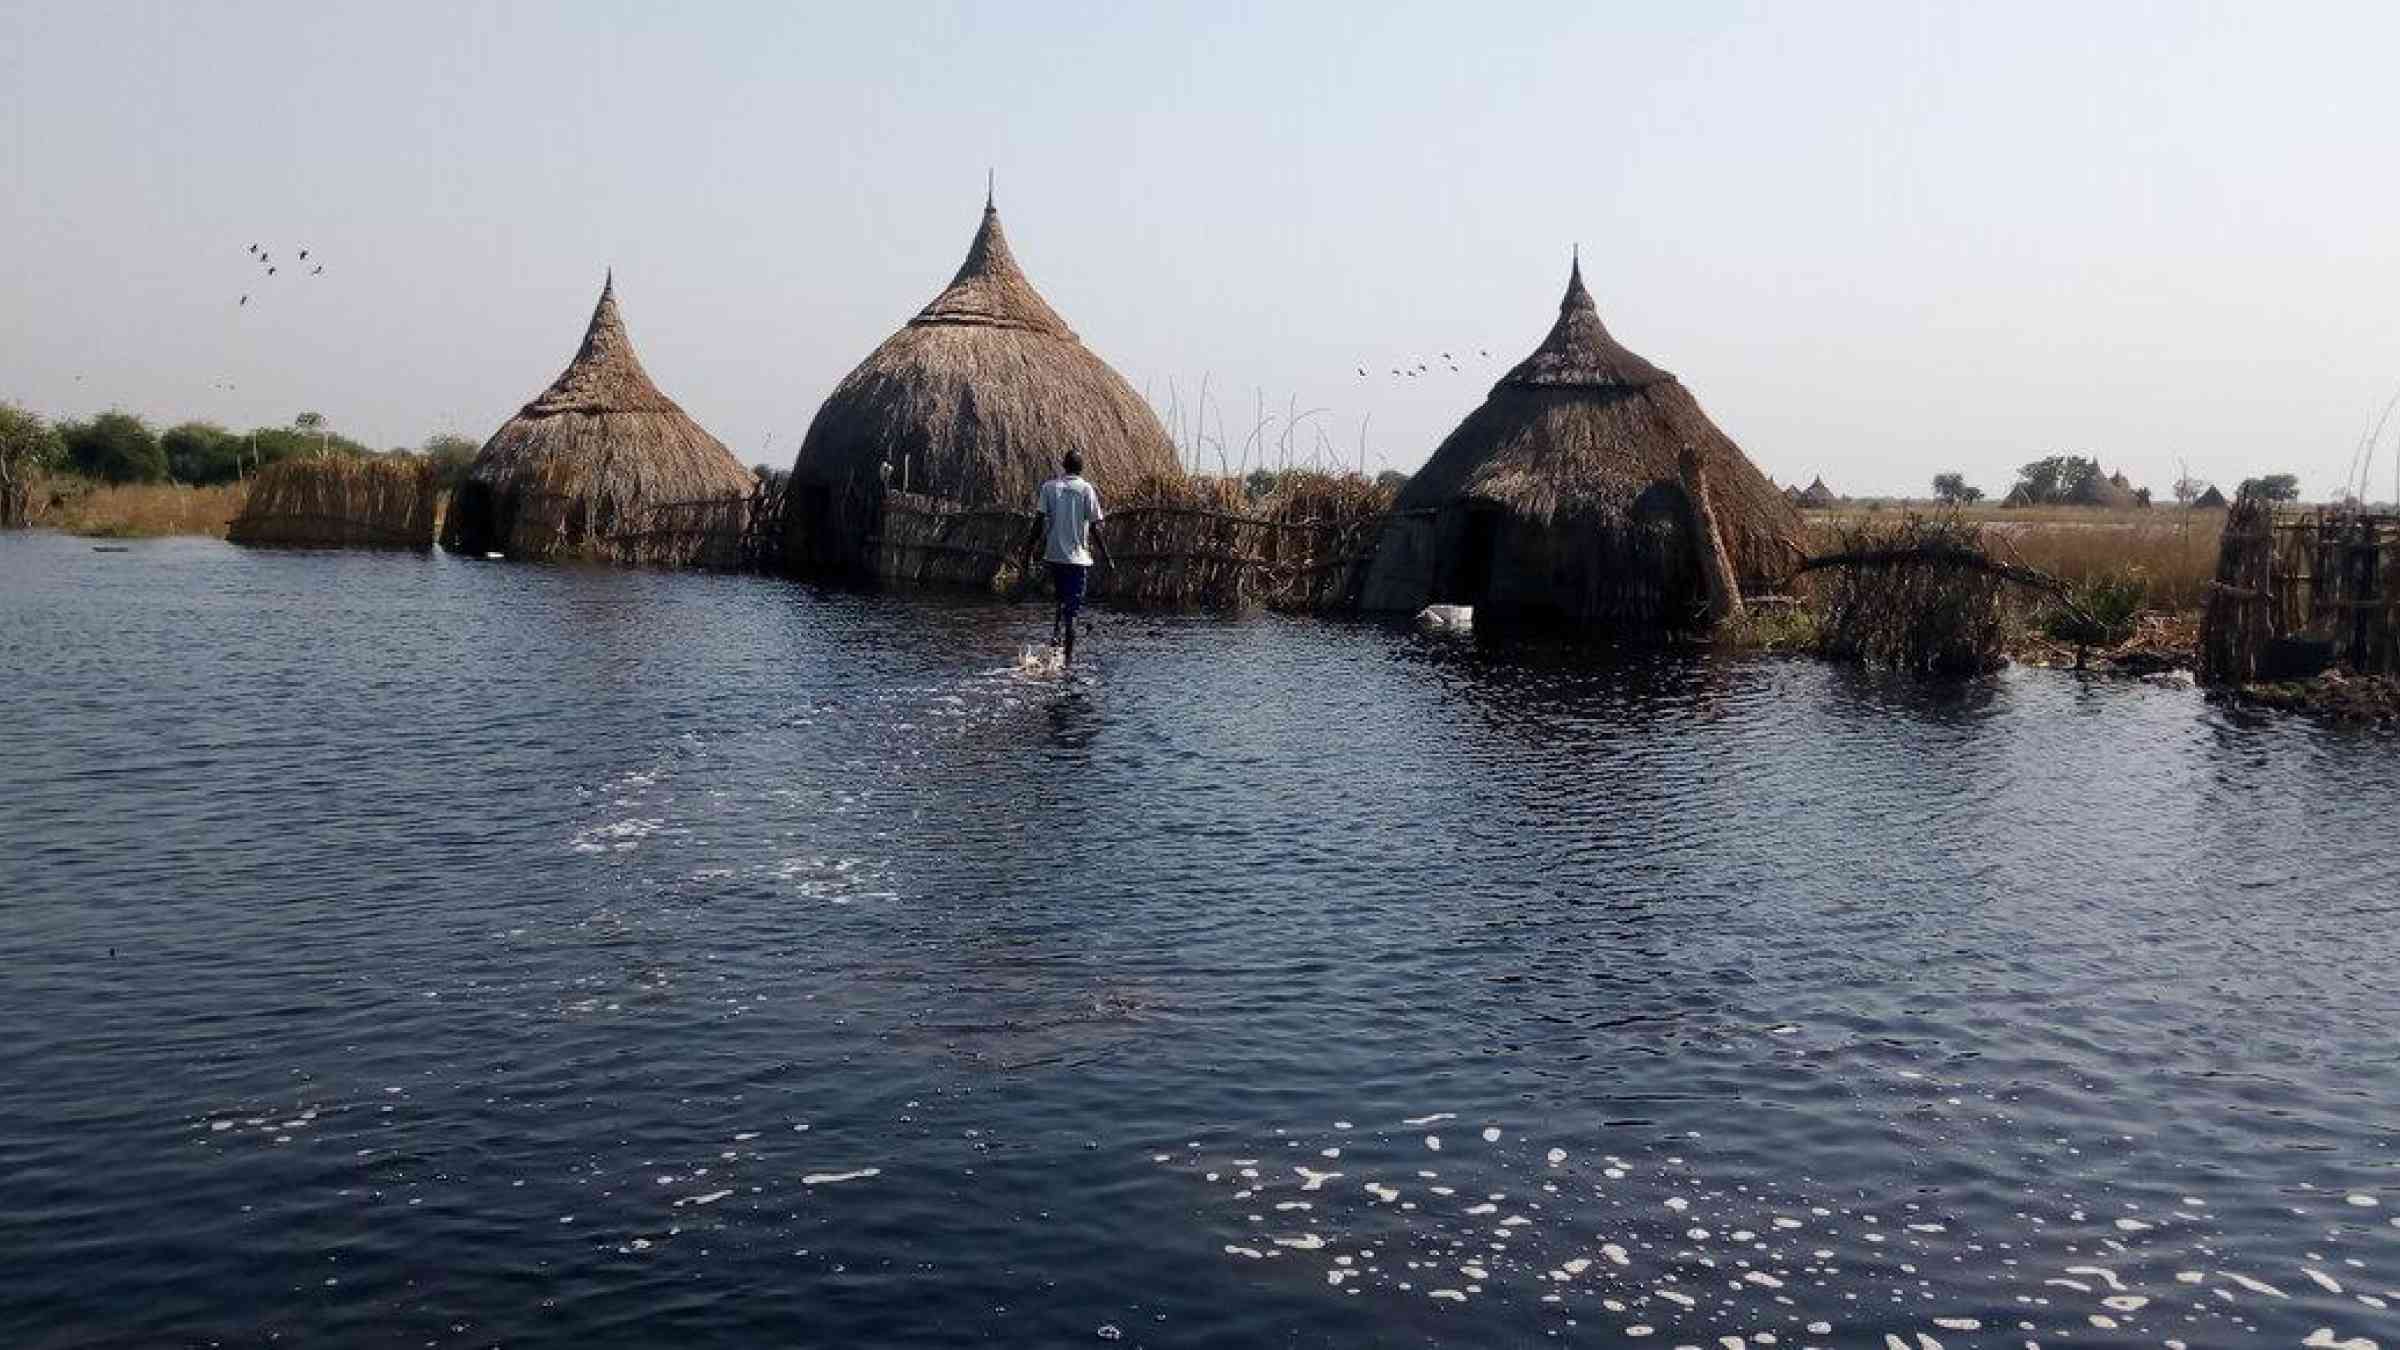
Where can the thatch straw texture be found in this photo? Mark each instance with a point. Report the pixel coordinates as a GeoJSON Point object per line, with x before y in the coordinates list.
{"type": "Point", "coordinates": [603, 466]}
{"type": "Point", "coordinates": [1816, 495]}
{"type": "Point", "coordinates": [340, 502]}
{"type": "Point", "coordinates": [2211, 500]}
{"type": "Point", "coordinates": [2110, 491]}
{"type": "Point", "coordinates": [971, 403]}
{"type": "Point", "coordinates": [1561, 501]}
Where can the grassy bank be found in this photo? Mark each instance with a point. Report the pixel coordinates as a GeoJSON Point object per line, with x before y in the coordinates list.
{"type": "Point", "coordinates": [137, 510]}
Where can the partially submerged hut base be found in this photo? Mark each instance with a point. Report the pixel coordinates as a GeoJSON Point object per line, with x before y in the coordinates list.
{"type": "Point", "coordinates": [340, 502]}
{"type": "Point", "coordinates": [2298, 592]}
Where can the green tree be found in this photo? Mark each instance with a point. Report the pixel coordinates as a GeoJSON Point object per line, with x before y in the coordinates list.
{"type": "Point", "coordinates": [1953, 488]}
{"type": "Point", "coordinates": [2274, 487]}
{"type": "Point", "coordinates": [28, 449]}
{"type": "Point", "coordinates": [2058, 478]}
{"type": "Point", "coordinates": [114, 447]}
{"type": "Point", "coordinates": [452, 455]}
{"type": "Point", "coordinates": [201, 453]}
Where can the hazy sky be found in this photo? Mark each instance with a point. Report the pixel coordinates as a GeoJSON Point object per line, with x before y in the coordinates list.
{"type": "Point", "coordinates": [1876, 241]}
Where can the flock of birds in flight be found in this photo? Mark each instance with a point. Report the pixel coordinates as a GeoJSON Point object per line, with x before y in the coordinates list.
{"type": "Point", "coordinates": [1423, 367]}
{"type": "Point", "coordinates": [267, 261]}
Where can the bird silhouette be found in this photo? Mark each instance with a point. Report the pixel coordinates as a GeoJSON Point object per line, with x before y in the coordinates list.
{"type": "Point", "coordinates": [254, 248]}
{"type": "Point", "coordinates": [270, 271]}
{"type": "Point", "coordinates": [304, 255]}
{"type": "Point", "coordinates": [245, 300]}
{"type": "Point", "coordinates": [320, 268]}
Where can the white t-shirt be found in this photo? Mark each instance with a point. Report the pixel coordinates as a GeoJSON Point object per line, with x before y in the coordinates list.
{"type": "Point", "coordinates": [1072, 508]}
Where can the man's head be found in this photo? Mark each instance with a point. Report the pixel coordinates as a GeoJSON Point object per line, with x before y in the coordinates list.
{"type": "Point", "coordinates": [1072, 462]}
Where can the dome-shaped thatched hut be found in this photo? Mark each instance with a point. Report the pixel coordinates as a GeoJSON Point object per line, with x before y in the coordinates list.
{"type": "Point", "coordinates": [602, 466]}
{"type": "Point", "coordinates": [1817, 496]}
{"type": "Point", "coordinates": [970, 404]}
{"type": "Point", "coordinates": [2112, 491]}
{"type": "Point", "coordinates": [1589, 491]}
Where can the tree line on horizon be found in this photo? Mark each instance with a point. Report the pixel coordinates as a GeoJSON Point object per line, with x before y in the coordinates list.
{"type": "Point", "coordinates": [121, 447]}
{"type": "Point", "coordinates": [2065, 480]}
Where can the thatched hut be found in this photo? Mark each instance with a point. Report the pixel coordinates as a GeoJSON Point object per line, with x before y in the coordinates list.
{"type": "Point", "coordinates": [340, 501]}
{"type": "Point", "coordinates": [2018, 496]}
{"type": "Point", "coordinates": [602, 466]}
{"type": "Point", "coordinates": [1816, 496]}
{"type": "Point", "coordinates": [967, 409]}
{"type": "Point", "coordinates": [2211, 500]}
{"type": "Point", "coordinates": [1589, 492]}
{"type": "Point", "coordinates": [2110, 491]}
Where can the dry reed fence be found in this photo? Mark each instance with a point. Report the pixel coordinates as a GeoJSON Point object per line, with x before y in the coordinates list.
{"type": "Point", "coordinates": [706, 532]}
{"type": "Point", "coordinates": [2296, 592]}
{"type": "Point", "coordinates": [1174, 542]}
{"type": "Point", "coordinates": [340, 502]}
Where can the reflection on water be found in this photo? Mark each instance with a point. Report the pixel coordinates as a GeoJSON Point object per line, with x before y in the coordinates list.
{"type": "Point", "coordinates": [408, 949]}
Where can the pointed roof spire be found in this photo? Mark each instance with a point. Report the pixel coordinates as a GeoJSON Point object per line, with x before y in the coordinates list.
{"type": "Point", "coordinates": [605, 375]}
{"type": "Point", "coordinates": [1578, 353]}
{"type": "Point", "coordinates": [990, 177]}
{"type": "Point", "coordinates": [990, 290]}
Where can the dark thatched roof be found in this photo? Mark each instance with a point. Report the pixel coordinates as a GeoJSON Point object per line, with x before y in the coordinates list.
{"type": "Point", "coordinates": [973, 401]}
{"type": "Point", "coordinates": [1582, 428]}
{"type": "Point", "coordinates": [2110, 490]}
{"type": "Point", "coordinates": [2211, 500]}
{"type": "Point", "coordinates": [592, 465]}
{"type": "Point", "coordinates": [1817, 495]}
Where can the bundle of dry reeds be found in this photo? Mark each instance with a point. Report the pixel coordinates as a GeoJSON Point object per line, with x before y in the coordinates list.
{"type": "Point", "coordinates": [340, 502]}
{"type": "Point", "coordinates": [1918, 595]}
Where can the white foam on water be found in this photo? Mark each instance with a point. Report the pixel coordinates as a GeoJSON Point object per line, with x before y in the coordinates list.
{"type": "Point", "coordinates": [2125, 1302]}
{"type": "Point", "coordinates": [2133, 1226]}
{"type": "Point", "coordinates": [1309, 1180]}
{"type": "Point", "coordinates": [2323, 1339]}
{"type": "Point", "coordinates": [1555, 1156]}
{"type": "Point", "coordinates": [1252, 1252]}
{"type": "Point", "coordinates": [1615, 1254]}
{"type": "Point", "coordinates": [1762, 1279]}
{"type": "Point", "coordinates": [1678, 1203]}
{"type": "Point", "coordinates": [709, 1199]}
{"type": "Point", "coordinates": [834, 1178]}
{"type": "Point", "coordinates": [1486, 1208]}
{"type": "Point", "coordinates": [2362, 1201]}
{"type": "Point", "coordinates": [1387, 1194]}
{"type": "Point", "coordinates": [2324, 1281]}
{"type": "Point", "coordinates": [1491, 1134]}
{"type": "Point", "coordinates": [1306, 1242]}
{"type": "Point", "coordinates": [1434, 1142]}
{"type": "Point", "coordinates": [2101, 1273]}
{"type": "Point", "coordinates": [1678, 1297]}
{"type": "Point", "coordinates": [1820, 1328]}
{"type": "Point", "coordinates": [1451, 1294]}
{"type": "Point", "coordinates": [1958, 1323]}
{"type": "Point", "coordinates": [1428, 1120]}
{"type": "Point", "coordinates": [2254, 1286]}
{"type": "Point", "coordinates": [1577, 1266]}
{"type": "Point", "coordinates": [1637, 1329]}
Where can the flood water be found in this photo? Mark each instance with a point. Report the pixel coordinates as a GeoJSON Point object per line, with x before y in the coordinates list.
{"type": "Point", "coordinates": [402, 950]}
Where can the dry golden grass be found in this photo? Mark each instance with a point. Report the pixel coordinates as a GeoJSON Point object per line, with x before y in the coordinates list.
{"type": "Point", "coordinates": [118, 511]}
{"type": "Point", "coordinates": [2173, 552]}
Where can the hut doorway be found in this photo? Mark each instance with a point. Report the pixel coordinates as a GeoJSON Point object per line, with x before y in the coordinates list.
{"type": "Point", "coordinates": [1479, 533]}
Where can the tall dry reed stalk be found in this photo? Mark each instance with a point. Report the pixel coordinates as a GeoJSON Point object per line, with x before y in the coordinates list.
{"type": "Point", "coordinates": [129, 510]}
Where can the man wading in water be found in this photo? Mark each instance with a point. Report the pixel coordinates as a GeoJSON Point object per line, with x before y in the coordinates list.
{"type": "Point", "coordinates": [1067, 516]}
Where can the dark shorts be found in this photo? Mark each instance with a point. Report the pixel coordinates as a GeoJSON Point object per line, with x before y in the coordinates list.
{"type": "Point", "coordinates": [1068, 579]}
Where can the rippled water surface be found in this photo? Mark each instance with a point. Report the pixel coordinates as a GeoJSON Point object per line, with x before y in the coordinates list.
{"type": "Point", "coordinates": [401, 950]}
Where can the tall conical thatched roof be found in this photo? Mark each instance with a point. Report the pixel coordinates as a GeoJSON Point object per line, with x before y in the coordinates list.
{"type": "Point", "coordinates": [973, 401]}
{"type": "Point", "coordinates": [1818, 495]}
{"type": "Point", "coordinates": [2109, 490]}
{"type": "Point", "coordinates": [1583, 424]}
{"type": "Point", "coordinates": [1579, 442]}
{"type": "Point", "coordinates": [2211, 500]}
{"type": "Point", "coordinates": [601, 464]}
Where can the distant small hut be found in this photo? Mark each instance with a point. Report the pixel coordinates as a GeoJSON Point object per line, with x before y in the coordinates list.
{"type": "Point", "coordinates": [603, 466]}
{"type": "Point", "coordinates": [2018, 496]}
{"type": "Point", "coordinates": [340, 501]}
{"type": "Point", "coordinates": [2211, 500]}
{"type": "Point", "coordinates": [1589, 492]}
{"type": "Point", "coordinates": [955, 421]}
{"type": "Point", "coordinates": [1816, 496]}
